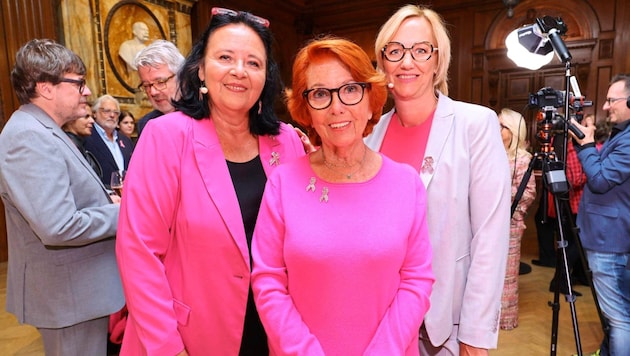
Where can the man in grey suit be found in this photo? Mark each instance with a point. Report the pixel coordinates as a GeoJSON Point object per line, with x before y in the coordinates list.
{"type": "Point", "coordinates": [61, 221]}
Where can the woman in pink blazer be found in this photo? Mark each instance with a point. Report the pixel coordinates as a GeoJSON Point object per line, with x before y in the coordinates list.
{"type": "Point", "coordinates": [192, 195]}
{"type": "Point", "coordinates": [456, 149]}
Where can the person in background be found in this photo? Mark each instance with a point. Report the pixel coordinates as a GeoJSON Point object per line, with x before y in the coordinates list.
{"type": "Point", "coordinates": [126, 123]}
{"type": "Point", "coordinates": [78, 130]}
{"type": "Point", "coordinates": [192, 194]}
{"type": "Point", "coordinates": [315, 283]}
{"type": "Point", "coordinates": [514, 134]}
{"type": "Point", "coordinates": [112, 151]}
{"type": "Point", "coordinates": [158, 64]}
{"type": "Point", "coordinates": [62, 276]}
{"type": "Point", "coordinates": [604, 214]}
{"type": "Point", "coordinates": [456, 148]}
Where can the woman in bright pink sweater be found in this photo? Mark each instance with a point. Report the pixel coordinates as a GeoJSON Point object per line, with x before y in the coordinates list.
{"type": "Point", "coordinates": [342, 259]}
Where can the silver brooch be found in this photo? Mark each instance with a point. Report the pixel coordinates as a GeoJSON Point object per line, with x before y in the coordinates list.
{"type": "Point", "coordinates": [275, 159]}
{"type": "Point", "coordinates": [427, 165]}
{"type": "Point", "coordinates": [311, 185]}
{"type": "Point", "coordinates": [324, 197]}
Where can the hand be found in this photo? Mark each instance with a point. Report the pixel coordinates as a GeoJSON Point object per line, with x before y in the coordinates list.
{"type": "Point", "coordinates": [183, 353]}
{"type": "Point", "coordinates": [467, 350]}
{"type": "Point", "coordinates": [588, 131]}
{"type": "Point", "coordinates": [115, 198]}
{"type": "Point", "coordinates": [308, 146]}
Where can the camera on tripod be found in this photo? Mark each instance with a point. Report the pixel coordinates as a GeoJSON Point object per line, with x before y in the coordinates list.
{"type": "Point", "coordinates": [547, 97]}
{"type": "Point", "coordinates": [548, 121]}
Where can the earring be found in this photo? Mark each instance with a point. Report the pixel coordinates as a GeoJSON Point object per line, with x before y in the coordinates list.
{"type": "Point", "coordinates": [203, 90]}
{"type": "Point", "coordinates": [259, 107]}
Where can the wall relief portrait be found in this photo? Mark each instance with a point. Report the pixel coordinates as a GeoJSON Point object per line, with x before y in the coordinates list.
{"type": "Point", "coordinates": [130, 26]}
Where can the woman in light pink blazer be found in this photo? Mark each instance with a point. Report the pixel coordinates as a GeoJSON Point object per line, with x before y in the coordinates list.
{"type": "Point", "coordinates": [457, 149]}
{"type": "Point", "coordinates": [192, 195]}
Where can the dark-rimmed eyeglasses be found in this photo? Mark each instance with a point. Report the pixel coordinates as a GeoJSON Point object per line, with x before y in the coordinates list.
{"type": "Point", "coordinates": [159, 84]}
{"type": "Point", "coordinates": [79, 82]}
{"type": "Point", "coordinates": [348, 94]}
{"type": "Point", "coordinates": [223, 11]}
{"type": "Point", "coordinates": [611, 101]}
{"type": "Point", "coordinates": [421, 51]}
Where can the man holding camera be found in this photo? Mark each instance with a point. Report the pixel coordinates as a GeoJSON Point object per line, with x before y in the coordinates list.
{"type": "Point", "coordinates": [604, 215]}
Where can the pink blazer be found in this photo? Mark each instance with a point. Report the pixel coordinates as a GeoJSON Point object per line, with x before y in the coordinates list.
{"type": "Point", "coordinates": [181, 244]}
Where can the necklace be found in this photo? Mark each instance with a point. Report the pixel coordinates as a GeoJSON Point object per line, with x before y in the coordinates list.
{"type": "Point", "coordinates": [334, 167]}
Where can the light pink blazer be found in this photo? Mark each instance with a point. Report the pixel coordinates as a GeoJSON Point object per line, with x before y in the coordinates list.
{"type": "Point", "coordinates": [181, 243]}
{"type": "Point", "coordinates": [466, 174]}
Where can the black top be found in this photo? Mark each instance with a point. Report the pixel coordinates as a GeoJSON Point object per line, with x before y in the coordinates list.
{"type": "Point", "coordinates": [249, 183]}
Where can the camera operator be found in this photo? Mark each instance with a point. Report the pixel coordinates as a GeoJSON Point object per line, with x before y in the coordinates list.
{"type": "Point", "coordinates": [604, 214]}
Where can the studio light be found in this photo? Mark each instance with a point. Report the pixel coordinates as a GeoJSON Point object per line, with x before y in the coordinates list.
{"type": "Point", "coordinates": [528, 48]}
{"type": "Point", "coordinates": [532, 46]}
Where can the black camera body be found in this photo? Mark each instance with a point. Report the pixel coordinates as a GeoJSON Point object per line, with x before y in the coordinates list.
{"type": "Point", "coordinates": [547, 97]}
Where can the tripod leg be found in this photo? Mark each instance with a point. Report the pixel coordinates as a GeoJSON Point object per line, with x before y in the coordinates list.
{"type": "Point", "coordinates": [555, 178]}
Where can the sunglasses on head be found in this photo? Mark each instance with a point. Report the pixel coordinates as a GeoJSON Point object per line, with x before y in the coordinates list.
{"type": "Point", "coordinates": [227, 12]}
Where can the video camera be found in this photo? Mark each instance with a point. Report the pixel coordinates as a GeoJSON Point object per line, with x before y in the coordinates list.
{"type": "Point", "coordinates": [547, 97]}
{"type": "Point", "coordinates": [549, 121]}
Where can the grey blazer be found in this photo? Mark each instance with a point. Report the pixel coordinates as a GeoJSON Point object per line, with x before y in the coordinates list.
{"type": "Point", "coordinates": [468, 211]}
{"type": "Point", "coordinates": [60, 226]}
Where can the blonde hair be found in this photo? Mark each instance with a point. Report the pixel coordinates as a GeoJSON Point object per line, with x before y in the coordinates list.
{"type": "Point", "coordinates": [516, 124]}
{"type": "Point", "coordinates": [443, 45]}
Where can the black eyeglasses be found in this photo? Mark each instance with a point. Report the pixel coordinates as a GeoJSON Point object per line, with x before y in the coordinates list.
{"type": "Point", "coordinates": [348, 94]}
{"type": "Point", "coordinates": [611, 101]}
{"type": "Point", "coordinates": [228, 12]}
{"type": "Point", "coordinates": [79, 82]}
{"type": "Point", "coordinates": [159, 84]}
{"type": "Point", "coordinates": [421, 51]}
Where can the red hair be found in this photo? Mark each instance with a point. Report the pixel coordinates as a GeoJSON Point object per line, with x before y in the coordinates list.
{"type": "Point", "coordinates": [358, 64]}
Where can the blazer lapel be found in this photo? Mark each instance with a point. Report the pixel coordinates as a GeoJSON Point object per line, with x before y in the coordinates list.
{"type": "Point", "coordinates": [440, 129]}
{"type": "Point", "coordinates": [56, 131]}
{"type": "Point", "coordinates": [216, 178]}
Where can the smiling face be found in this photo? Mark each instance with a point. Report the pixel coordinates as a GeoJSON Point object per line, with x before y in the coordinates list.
{"type": "Point", "coordinates": [618, 111]}
{"type": "Point", "coordinates": [81, 126]}
{"type": "Point", "coordinates": [234, 70]}
{"type": "Point", "coordinates": [412, 79]}
{"type": "Point", "coordinates": [338, 125]}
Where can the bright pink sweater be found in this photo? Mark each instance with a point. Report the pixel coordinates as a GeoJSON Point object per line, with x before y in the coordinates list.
{"type": "Point", "coordinates": [350, 275]}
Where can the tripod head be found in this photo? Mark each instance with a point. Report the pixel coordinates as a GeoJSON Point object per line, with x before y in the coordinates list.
{"type": "Point", "coordinates": [549, 121]}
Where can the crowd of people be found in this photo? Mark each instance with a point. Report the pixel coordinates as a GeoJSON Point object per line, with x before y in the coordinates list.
{"type": "Point", "coordinates": [359, 233]}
